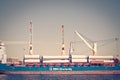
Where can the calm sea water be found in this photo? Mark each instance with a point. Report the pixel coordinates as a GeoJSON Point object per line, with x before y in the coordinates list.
{"type": "Point", "coordinates": [59, 77]}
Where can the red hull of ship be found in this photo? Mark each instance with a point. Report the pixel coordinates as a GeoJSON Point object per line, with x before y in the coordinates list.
{"type": "Point", "coordinates": [66, 72]}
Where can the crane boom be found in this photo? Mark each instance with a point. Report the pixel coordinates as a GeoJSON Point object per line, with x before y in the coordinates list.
{"type": "Point", "coordinates": [93, 48]}
{"type": "Point", "coordinates": [84, 40]}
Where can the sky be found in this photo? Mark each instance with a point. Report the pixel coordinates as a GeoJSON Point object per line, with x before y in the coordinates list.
{"type": "Point", "coordinates": [98, 20]}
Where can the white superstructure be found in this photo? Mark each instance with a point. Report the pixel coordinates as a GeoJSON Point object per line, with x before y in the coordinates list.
{"type": "Point", "coordinates": [3, 56]}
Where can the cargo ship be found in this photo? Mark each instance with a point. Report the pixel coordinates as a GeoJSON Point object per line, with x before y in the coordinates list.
{"type": "Point", "coordinates": [63, 64]}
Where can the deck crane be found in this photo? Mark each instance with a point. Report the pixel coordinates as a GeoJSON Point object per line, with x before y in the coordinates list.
{"type": "Point", "coordinates": [63, 44]}
{"type": "Point", "coordinates": [31, 38]}
{"type": "Point", "coordinates": [24, 42]}
{"type": "Point", "coordinates": [93, 48]}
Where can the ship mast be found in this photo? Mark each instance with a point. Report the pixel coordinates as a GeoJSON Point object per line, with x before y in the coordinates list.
{"type": "Point", "coordinates": [31, 38]}
{"type": "Point", "coordinates": [63, 45]}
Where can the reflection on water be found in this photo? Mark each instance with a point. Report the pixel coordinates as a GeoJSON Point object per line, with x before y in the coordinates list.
{"type": "Point", "coordinates": [59, 77]}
